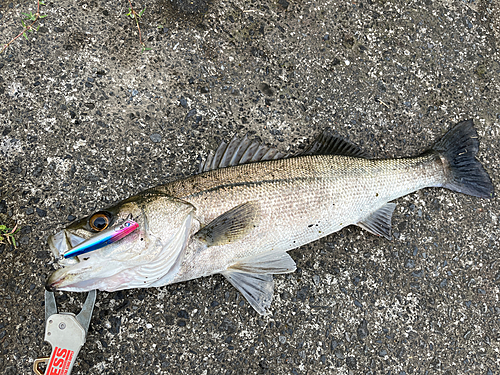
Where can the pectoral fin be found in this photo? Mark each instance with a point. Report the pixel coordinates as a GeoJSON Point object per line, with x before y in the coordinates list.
{"type": "Point", "coordinates": [231, 225]}
{"type": "Point", "coordinates": [379, 222]}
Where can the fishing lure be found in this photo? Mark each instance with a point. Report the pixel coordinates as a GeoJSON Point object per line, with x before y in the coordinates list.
{"type": "Point", "coordinates": [104, 238]}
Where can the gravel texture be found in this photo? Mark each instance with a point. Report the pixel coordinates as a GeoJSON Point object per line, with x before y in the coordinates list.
{"type": "Point", "coordinates": [86, 119]}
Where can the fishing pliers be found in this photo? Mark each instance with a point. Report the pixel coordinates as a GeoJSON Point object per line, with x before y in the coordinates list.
{"type": "Point", "coordinates": [66, 332]}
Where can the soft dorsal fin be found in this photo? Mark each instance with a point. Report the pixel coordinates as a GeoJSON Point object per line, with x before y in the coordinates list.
{"type": "Point", "coordinates": [231, 225]}
{"type": "Point", "coordinates": [239, 151]}
{"type": "Point", "coordinates": [379, 222]}
{"type": "Point", "coordinates": [328, 144]}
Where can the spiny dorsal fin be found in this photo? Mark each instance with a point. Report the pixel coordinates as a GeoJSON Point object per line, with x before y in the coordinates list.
{"type": "Point", "coordinates": [379, 222]}
{"type": "Point", "coordinates": [328, 144]}
{"type": "Point", "coordinates": [239, 151]}
{"type": "Point", "coordinates": [231, 225]}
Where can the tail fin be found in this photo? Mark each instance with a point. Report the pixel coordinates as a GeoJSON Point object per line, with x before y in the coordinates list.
{"type": "Point", "coordinates": [457, 150]}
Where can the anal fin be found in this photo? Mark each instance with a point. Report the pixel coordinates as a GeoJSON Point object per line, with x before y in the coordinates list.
{"type": "Point", "coordinates": [256, 288]}
{"type": "Point", "coordinates": [379, 222]}
{"type": "Point", "coordinates": [253, 277]}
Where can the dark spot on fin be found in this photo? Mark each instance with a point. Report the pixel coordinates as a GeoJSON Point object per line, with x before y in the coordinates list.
{"type": "Point", "coordinates": [457, 149]}
{"type": "Point", "coordinates": [328, 144]}
{"type": "Point", "coordinates": [379, 222]}
{"type": "Point", "coordinates": [231, 225]}
{"type": "Point", "coordinates": [239, 151]}
{"type": "Point", "coordinates": [270, 262]}
{"type": "Point", "coordinates": [257, 289]}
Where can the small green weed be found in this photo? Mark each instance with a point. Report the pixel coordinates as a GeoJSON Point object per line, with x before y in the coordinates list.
{"type": "Point", "coordinates": [133, 14]}
{"type": "Point", "coordinates": [27, 26]}
{"type": "Point", "coordinates": [7, 234]}
{"type": "Point", "coordinates": [31, 19]}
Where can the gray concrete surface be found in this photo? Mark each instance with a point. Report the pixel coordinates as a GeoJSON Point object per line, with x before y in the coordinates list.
{"type": "Point", "coordinates": [87, 119]}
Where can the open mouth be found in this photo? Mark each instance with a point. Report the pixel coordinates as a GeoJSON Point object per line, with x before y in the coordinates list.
{"type": "Point", "coordinates": [62, 242]}
{"type": "Point", "coordinates": [59, 244]}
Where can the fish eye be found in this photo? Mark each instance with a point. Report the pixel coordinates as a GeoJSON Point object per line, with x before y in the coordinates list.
{"type": "Point", "coordinates": [100, 221]}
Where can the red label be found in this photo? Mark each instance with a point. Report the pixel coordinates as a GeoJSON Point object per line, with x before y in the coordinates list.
{"type": "Point", "coordinates": [60, 361]}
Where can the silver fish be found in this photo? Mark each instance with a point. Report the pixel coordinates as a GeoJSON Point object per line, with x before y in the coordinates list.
{"type": "Point", "coordinates": [249, 205]}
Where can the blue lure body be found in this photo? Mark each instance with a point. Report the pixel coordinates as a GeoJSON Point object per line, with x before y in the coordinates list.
{"type": "Point", "coordinates": [106, 237]}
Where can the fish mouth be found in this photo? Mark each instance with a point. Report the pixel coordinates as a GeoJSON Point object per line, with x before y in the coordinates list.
{"type": "Point", "coordinates": [59, 244]}
{"type": "Point", "coordinates": [62, 242]}
{"type": "Point", "coordinates": [56, 279]}
{"type": "Point", "coordinates": [64, 279]}
{"type": "Point", "coordinates": [79, 274]}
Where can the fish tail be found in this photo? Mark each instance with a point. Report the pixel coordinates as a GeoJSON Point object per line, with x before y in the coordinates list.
{"type": "Point", "coordinates": [464, 173]}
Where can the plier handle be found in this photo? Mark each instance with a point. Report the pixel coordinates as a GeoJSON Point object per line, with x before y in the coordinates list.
{"type": "Point", "coordinates": [66, 332]}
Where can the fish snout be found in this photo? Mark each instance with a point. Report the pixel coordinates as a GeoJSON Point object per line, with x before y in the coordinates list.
{"type": "Point", "coordinates": [49, 287]}
{"type": "Point", "coordinates": [55, 279]}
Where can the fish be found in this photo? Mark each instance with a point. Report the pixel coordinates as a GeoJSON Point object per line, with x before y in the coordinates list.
{"type": "Point", "coordinates": [248, 205]}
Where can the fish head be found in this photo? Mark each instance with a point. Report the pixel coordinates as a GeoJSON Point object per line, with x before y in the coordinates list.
{"type": "Point", "coordinates": [142, 258]}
